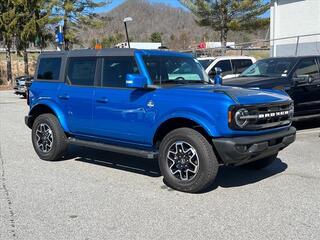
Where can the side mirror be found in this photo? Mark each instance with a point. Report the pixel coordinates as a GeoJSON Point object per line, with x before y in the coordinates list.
{"type": "Point", "coordinates": [136, 81]}
{"type": "Point", "coordinates": [218, 70]}
{"type": "Point", "coordinates": [218, 77]}
{"type": "Point", "coordinates": [302, 79]}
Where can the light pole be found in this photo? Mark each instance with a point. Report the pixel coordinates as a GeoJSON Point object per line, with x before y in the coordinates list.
{"type": "Point", "coordinates": [125, 20]}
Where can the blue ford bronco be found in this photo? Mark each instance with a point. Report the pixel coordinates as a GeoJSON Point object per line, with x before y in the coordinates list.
{"type": "Point", "coordinates": [155, 104]}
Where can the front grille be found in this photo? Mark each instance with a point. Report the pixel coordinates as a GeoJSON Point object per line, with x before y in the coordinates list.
{"type": "Point", "coordinates": [258, 117]}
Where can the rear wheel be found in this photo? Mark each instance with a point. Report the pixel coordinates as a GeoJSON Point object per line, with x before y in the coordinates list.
{"type": "Point", "coordinates": [187, 161]}
{"type": "Point", "coordinates": [262, 163]}
{"type": "Point", "coordinates": [48, 138]}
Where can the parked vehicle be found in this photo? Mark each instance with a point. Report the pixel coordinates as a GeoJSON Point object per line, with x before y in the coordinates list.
{"type": "Point", "coordinates": [155, 104]}
{"type": "Point", "coordinates": [231, 66]}
{"type": "Point", "coordinates": [298, 76]}
{"type": "Point", "coordinates": [21, 85]}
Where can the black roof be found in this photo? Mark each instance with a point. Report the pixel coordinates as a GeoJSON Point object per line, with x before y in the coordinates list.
{"type": "Point", "coordinates": [292, 57]}
{"type": "Point", "coordinates": [91, 52]}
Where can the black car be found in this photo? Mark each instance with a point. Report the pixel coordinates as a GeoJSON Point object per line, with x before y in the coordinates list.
{"type": "Point", "coordinates": [22, 84]}
{"type": "Point", "coordinates": [298, 76]}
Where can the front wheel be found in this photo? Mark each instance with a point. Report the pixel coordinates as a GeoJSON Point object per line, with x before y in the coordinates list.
{"type": "Point", "coordinates": [48, 137]}
{"type": "Point", "coordinates": [187, 161]}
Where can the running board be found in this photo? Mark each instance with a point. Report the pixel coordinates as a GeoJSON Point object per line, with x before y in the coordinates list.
{"type": "Point", "coordinates": [113, 148]}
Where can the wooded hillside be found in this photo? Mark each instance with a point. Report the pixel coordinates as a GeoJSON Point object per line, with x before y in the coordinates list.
{"type": "Point", "coordinates": [177, 26]}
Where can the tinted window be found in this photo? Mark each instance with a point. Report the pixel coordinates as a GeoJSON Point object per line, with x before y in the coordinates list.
{"type": "Point", "coordinates": [49, 68]}
{"type": "Point", "coordinates": [115, 70]}
{"type": "Point", "coordinates": [174, 69]}
{"type": "Point", "coordinates": [270, 67]}
{"type": "Point", "coordinates": [307, 67]}
{"type": "Point", "coordinates": [240, 64]}
{"type": "Point", "coordinates": [225, 66]}
{"type": "Point", "coordinates": [205, 62]}
{"type": "Point", "coordinates": [81, 71]}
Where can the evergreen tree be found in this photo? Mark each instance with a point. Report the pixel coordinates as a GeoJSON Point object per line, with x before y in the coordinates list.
{"type": "Point", "coordinates": [229, 15]}
{"type": "Point", "coordinates": [34, 17]}
{"type": "Point", "coordinates": [156, 37]}
{"type": "Point", "coordinates": [74, 13]}
{"type": "Point", "coordinates": [8, 26]}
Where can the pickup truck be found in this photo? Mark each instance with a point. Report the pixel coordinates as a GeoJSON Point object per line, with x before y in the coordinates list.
{"type": "Point", "coordinates": [231, 66]}
{"type": "Point", "coordinates": [154, 104]}
{"type": "Point", "coordinates": [298, 76]}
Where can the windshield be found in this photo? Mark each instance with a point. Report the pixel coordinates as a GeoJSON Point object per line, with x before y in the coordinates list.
{"type": "Point", "coordinates": [274, 67]}
{"type": "Point", "coordinates": [175, 70]}
{"type": "Point", "coordinates": [205, 62]}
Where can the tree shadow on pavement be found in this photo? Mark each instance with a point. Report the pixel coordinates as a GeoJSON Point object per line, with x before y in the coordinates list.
{"type": "Point", "coordinates": [227, 177]}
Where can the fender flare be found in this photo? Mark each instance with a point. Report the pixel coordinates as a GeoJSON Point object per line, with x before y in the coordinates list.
{"type": "Point", "coordinates": [55, 109]}
{"type": "Point", "coordinates": [207, 123]}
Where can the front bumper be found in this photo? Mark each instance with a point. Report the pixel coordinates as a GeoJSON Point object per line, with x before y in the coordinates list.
{"type": "Point", "coordinates": [241, 150]}
{"type": "Point", "coordinates": [28, 121]}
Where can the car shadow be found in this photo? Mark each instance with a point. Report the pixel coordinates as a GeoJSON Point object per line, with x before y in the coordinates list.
{"type": "Point", "coordinates": [228, 177]}
{"type": "Point", "coordinates": [127, 163]}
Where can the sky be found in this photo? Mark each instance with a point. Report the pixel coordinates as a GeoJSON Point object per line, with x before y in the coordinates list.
{"type": "Point", "coordinates": [115, 3]}
{"type": "Point", "coordinates": [173, 3]}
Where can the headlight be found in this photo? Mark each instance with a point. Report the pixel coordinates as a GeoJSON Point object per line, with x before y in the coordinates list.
{"type": "Point", "coordinates": [240, 117]}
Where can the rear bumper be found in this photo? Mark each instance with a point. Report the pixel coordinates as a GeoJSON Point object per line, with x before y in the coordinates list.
{"type": "Point", "coordinates": [20, 90]}
{"type": "Point", "coordinates": [241, 150]}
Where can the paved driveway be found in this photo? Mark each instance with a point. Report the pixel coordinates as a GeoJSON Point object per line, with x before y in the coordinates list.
{"type": "Point", "coordinates": [99, 195]}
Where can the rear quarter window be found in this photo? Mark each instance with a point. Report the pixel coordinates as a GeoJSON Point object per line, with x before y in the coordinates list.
{"type": "Point", "coordinates": [49, 69]}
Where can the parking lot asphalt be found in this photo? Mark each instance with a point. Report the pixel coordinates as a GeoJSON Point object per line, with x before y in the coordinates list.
{"type": "Point", "coordinates": [99, 195]}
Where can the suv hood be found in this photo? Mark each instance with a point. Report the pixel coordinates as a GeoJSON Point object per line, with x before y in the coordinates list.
{"type": "Point", "coordinates": [263, 82]}
{"type": "Point", "coordinates": [238, 95]}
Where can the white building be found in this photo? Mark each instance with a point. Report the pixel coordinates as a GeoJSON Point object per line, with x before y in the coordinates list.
{"type": "Point", "coordinates": [139, 45]}
{"type": "Point", "coordinates": [292, 18]}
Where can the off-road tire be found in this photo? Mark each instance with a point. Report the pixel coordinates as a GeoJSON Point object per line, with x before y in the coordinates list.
{"type": "Point", "coordinates": [59, 142]}
{"type": "Point", "coordinates": [207, 164]}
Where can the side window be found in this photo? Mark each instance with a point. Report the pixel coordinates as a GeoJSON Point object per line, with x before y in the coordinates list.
{"type": "Point", "coordinates": [225, 66]}
{"type": "Point", "coordinates": [81, 71]}
{"type": "Point", "coordinates": [49, 69]}
{"type": "Point", "coordinates": [239, 65]}
{"type": "Point", "coordinates": [115, 70]}
{"type": "Point", "coordinates": [307, 67]}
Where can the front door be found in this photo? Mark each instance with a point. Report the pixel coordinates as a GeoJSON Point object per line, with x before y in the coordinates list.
{"type": "Point", "coordinates": [225, 66]}
{"type": "Point", "coordinates": [120, 113]}
{"type": "Point", "coordinates": [306, 95]}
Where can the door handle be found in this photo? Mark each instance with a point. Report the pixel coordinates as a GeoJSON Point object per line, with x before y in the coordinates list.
{"type": "Point", "coordinates": [102, 100]}
{"type": "Point", "coordinates": [65, 97]}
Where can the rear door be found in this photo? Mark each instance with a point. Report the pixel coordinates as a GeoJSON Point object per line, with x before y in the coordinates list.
{"type": "Point", "coordinates": [77, 93]}
{"type": "Point", "coordinates": [306, 95]}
